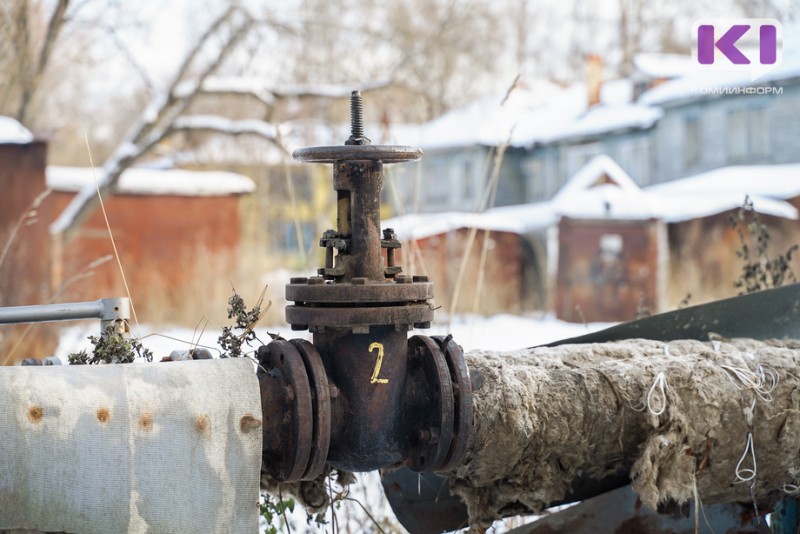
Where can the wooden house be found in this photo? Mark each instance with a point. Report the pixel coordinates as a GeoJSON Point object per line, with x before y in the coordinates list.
{"type": "Point", "coordinates": [610, 248]}
{"type": "Point", "coordinates": [496, 259]}
{"type": "Point", "coordinates": [703, 249]}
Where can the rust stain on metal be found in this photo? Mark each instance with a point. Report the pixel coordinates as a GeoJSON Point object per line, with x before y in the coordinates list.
{"type": "Point", "coordinates": [202, 423]}
{"type": "Point", "coordinates": [248, 423]}
{"type": "Point", "coordinates": [103, 415]}
{"type": "Point", "coordinates": [35, 414]}
{"type": "Point", "coordinates": [606, 269]}
{"type": "Point", "coordinates": [146, 421]}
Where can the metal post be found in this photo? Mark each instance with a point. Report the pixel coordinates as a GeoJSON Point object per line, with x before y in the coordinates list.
{"type": "Point", "coordinates": [111, 312]}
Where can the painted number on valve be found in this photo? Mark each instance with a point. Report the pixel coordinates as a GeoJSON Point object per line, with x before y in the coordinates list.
{"type": "Point", "coordinates": [374, 379]}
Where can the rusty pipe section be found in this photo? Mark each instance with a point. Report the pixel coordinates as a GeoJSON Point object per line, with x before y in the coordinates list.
{"type": "Point", "coordinates": [363, 395]}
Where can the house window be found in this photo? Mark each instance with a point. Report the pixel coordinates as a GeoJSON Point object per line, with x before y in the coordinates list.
{"type": "Point", "coordinates": [737, 132]}
{"type": "Point", "coordinates": [537, 188]}
{"type": "Point", "coordinates": [634, 157]}
{"type": "Point", "coordinates": [289, 235]}
{"type": "Point", "coordinates": [747, 134]}
{"type": "Point", "coordinates": [607, 264]}
{"type": "Point", "coordinates": [436, 186]}
{"type": "Point", "coordinates": [469, 189]}
{"type": "Point", "coordinates": [611, 244]}
{"type": "Point", "coordinates": [759, 132]}
{"type": "Point", "coordinates": [691, 142]}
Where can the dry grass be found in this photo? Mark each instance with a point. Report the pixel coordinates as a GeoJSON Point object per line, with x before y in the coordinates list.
{"type": "Point", "coordinates": [202, 290]}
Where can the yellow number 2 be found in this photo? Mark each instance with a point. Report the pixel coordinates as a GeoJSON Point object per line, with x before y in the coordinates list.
{"type": "Point", "coordinates": [374, 379]}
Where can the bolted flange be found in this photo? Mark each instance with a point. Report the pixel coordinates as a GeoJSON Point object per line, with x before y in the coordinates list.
{"type": "Point", "coordinates": [438, 403]}
{"type": "Point", "coordinates": [429, 405]}
{"type": "Point", "coordinates": [462, 399]}
{"type": "Point", "coordinates": [295, 399]}
{"type": "Point", "coordinates": [288, 411]}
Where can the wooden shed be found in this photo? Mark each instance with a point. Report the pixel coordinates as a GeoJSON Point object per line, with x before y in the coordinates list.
{"type": "Point", "coordinates": [176, 232]}
{"type": "Point", "coordinates": [24, 246]}
{"type": "Point", "coordinates": [703, 260]}
{"type": "Point", "coordinates": [610, 248]}
{"type": "Point", "coordinates": [607, 268]}
{"type": "Point", "coordinates": [504, 267]}
{"type": "Point", "coordinates": [23, 240]}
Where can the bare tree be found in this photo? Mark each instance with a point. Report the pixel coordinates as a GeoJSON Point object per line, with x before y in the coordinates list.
{"type": "Point", "coordinates": [159, 120]}
{"type": "Point", "coordinates": [25, 63]}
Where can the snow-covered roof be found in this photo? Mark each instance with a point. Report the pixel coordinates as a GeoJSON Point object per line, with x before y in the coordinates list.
{"type": "Point", "coordinates": [544, 114]}
{"type": "Point", "coordinates": [725, 188]}
{"type": "Point", "coordinates": [698, 83]}
{"type": "Point", "coordinates": [602, 119]}
{"type": "Point", "coordinates": [684, 206]}
{"type": "Point", "coordinates": [600, 169]}
{"type": "Point", "coordinates": [520, 219]}
{"type": "Point", "coordinates": [616, 92]}
{"type": "Point", "coordinates": [663, 66]}
{"type": "Point", "coordinates": [607, 201]}
{"type": "Point", "coordinates": [775, 181]}
{"type": "Point", "coordinates": [143, 181]}
{"type": "Point", "coordinates": [12, 132]}
{"type": "Point", "coordinates": [497, 119]}
{"type": "Point", "coordinates": [294, 134]}
{"type": "Point", "coordinates": [601, 189]}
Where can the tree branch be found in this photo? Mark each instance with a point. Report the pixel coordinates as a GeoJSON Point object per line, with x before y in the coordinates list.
{"type": "Point", "coordinates": [154, 125]}
{"type": "Point", "coordinates": [32, 84]}
{"type": "Point", "coordinates": [231, 86]}
{"type": "Point", "coordinates": [214, 124]}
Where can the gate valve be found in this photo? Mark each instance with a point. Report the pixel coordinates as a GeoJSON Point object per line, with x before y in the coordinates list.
{"type": "Point", "coordinates": [362, 396]}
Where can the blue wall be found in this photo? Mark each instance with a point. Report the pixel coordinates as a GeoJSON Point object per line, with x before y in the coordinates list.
{"type": "Point", "coordinates": [695, 135]}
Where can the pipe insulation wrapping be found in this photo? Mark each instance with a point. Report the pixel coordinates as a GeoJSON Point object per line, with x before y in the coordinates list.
{"type": "Point", "coordinates": [131, 448]}
{"type": "Point", "coordinates": [712, 422]}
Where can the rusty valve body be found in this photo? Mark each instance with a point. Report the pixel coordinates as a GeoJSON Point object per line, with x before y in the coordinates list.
{"type": "Point", "coordinates": [362, 396]}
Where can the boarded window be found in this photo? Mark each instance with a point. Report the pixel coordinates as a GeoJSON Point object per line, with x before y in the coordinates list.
{"type": "Point", "coordinates": [436, 183]}
{"type": "Point", "coordinates": [469, 189]}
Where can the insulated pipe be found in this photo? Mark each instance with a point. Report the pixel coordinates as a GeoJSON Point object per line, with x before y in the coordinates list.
{"type": "Point", "coordinates": [131, 448]}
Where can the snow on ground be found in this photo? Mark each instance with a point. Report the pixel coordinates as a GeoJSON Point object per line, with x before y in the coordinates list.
{"type": "Point", "coordinates": [501, 332]}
